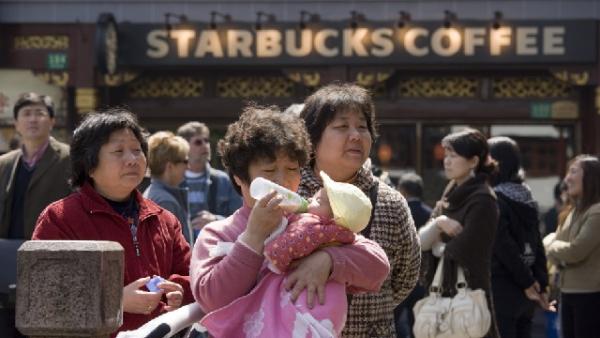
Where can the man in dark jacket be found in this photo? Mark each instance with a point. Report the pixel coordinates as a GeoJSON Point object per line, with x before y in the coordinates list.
{"type": "Point", "coordinates": [31, 177]}
{"type": "Point", "coordinates": [34, 175]}
{"type": "Point", "coordinates": [411, 187]}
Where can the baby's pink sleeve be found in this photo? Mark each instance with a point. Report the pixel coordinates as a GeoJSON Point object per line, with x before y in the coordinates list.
{"type": "Point", "coordinates": [302, 236]}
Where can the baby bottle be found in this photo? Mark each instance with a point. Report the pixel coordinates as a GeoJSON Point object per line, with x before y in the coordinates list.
{"type": "Point", "coordinates": [292, 202]}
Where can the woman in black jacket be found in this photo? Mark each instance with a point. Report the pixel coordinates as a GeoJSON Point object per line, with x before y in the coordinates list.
{"type": "Point", "coordinates": [519, 274]}
{"type": "Point", "coordinates": [463, 223]}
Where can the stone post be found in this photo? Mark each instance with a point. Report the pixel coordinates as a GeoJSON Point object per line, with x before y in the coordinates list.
{"type": "Point", "coordinates": [69, 288]}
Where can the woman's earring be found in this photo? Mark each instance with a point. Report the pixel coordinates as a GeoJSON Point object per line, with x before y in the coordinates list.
{"type": "Point", "coordinates": [472, 172]}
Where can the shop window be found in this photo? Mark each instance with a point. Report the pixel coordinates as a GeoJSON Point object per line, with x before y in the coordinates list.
{"type": "Point", "coordinates": [541, 155]}
{"type": "Point", "coordinates": [545, 149]}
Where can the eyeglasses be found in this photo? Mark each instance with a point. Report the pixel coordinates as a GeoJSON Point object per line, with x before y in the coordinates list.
{"type": "Point", "coordinates": [201, 141]}
{"type": "Point", "coordinates": [183, 161]}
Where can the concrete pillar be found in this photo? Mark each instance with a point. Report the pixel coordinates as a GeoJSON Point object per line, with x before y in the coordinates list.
{"type": "Point", "coordinates": [69, 288]}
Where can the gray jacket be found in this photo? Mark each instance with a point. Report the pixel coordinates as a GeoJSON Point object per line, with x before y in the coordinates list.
{"type": "Point", "coordinates": [173, 199]}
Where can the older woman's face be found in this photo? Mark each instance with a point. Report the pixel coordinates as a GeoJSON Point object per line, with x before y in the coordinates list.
{"type": "Point", "coordinates": [574, 180]}
{"type": "Point", "coordinates": [121, 166]}
{"type": "Point", "coordinates": [344, 146]}
{"type": "Point", "coordinates": [283, 171]}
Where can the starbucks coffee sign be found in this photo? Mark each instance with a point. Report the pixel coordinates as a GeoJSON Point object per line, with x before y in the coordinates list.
{"type": "Point", "coordinates": [370, 43]}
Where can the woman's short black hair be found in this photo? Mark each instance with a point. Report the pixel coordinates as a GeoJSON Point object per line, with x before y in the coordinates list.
{"type": "Point", "coordinates": [322, 106]}
{"type": "Point", "coordinates": [260, 133]}
{"type": "Point", "coordinates": [468, 143]}
{"type": "Point", "coordinates": [92, 133]}
{"type": "Point", "coordinates": [505, 151]}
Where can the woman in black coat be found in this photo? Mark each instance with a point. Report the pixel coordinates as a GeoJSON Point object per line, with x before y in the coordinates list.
{"type": "Point", "coordinates": [519, 273]}
{"type": "Point", "coordinates": [463, 223]}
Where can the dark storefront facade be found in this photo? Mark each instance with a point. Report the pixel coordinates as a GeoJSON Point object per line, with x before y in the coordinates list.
{"type": "Point", "coordinates": [54, 59]}
{"type": "Point", "coordinates": [533, 80]}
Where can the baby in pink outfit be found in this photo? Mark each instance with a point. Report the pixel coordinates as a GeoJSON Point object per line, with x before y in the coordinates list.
{"type": "Point", "coordinates": [335, 214]}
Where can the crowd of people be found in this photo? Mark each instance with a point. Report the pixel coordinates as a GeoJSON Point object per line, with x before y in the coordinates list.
{"type": "Point", "coordinates": [371, 249]}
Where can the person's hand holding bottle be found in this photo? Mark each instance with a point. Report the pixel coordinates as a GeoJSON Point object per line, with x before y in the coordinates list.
{"type": "Point", "coordinates": [264, 218]}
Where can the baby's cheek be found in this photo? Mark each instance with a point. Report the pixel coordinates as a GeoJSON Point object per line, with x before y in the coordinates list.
{"type": "Point", "coordinates": [325, 213]}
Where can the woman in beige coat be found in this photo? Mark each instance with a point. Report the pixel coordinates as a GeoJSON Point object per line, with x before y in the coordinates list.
{"type": "Point", "coordinates": [575, 248]}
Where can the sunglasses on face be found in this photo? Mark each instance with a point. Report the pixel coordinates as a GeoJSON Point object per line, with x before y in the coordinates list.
{"type": "Point", "coordinates": [201, 141]}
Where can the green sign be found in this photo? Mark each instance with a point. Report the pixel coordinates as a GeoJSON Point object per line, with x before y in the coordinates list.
{"type": "Point", "coordinates": [57, 61]}
{"type": "Point", "coordinates": [541, 110]}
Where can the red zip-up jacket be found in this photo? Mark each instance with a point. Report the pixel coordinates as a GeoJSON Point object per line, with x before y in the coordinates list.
{"type": "Point", "coordinates": [85, 215]}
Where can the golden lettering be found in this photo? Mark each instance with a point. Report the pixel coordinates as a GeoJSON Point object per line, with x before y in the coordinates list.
{"type": "Point", "coordinates": [554, 43]}
{"type": "Point", "coordinates": [239, 42]}
{"type": "Point", "coordinates": [291, 43]}
{"type": "Point", "coordinates": [473, 37]}
{"type": "Point", "coordinates": [410, 40]}
{"type": "Point", "coordinates": [182, 38]}
{"type": "Point", "coordinates": [499, 37]}
{"type": "Point", "coordinates": [268, 43]}
{"type": "Point", "coordinates": [526, 41]}
{"type": "Point", "coordinates": [453, 38]}
{"type": "Point", "coordinates": [382, 42]}
{"type": "Point", "coordinates": [54, 42]}
{"type": "Point", "coordinates": [321, 42]}
{"type": "Point", "coordinates": [209, 42]}
{"type": "Point", "coordinates": [353, 42]}
{"type": "Point", "coordinates": [157, 41]}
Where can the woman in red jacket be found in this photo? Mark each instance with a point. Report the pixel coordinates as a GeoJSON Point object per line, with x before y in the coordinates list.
{"type": "Point", "coordinates": [108, 154]}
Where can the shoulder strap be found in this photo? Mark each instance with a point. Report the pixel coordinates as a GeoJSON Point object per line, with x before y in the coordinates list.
{"type": "Point", "coordinates": [436, 284]}
{"type": "Point", "coordinates": [438, 278]}
{"type": "Point", "coordinates": [212, 193]}
{"type": "Point", "coordinates": [373, 197]}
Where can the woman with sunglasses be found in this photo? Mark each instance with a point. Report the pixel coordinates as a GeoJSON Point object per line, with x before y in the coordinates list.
{"type": "Point", "coordinates": [167, 161]}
